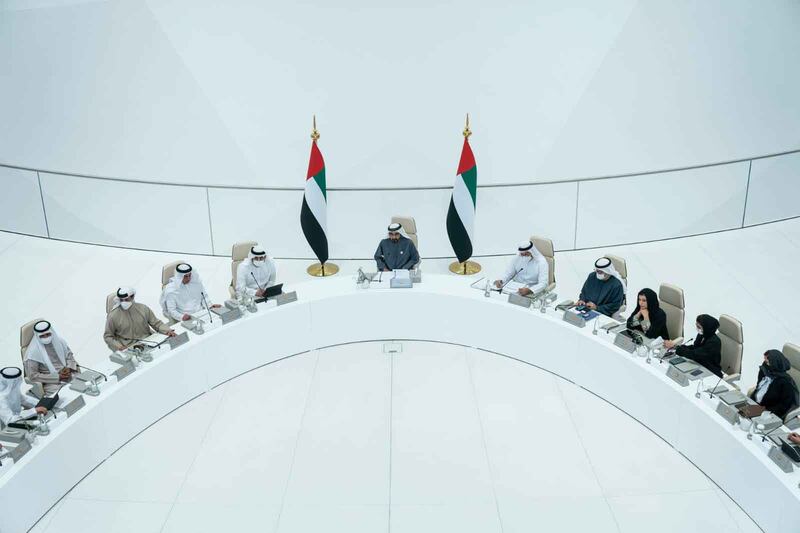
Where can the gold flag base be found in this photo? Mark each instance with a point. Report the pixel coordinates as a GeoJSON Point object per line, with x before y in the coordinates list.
{"type": "Point", "coordinates": [466, 268]}
{"type": "Point", "coordinates": [323, 270]}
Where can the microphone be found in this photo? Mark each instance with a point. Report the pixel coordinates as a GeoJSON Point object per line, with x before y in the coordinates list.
{"type": "Point", "coordinates": [105, 378]}
{"type": "Point", "coordinates": [503, 286]}
{"type": "Point", "coordinates": [203, 296]}
{"type": "Point", "coordinates": [712, 389]}
{"type": "Point", "coordinates": [765, 435]}
{"type": "Point", "coordinates": [150, 343]}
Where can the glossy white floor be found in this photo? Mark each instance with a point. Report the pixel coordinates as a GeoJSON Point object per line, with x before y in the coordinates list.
{"type": "Point", "coordinates": [436, 438]}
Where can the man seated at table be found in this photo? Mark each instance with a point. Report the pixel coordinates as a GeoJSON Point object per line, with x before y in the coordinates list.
{"type": "Point", "coordinates": [396, 251]}
{"type": "Point", "coordinates": [129, 322]}
{"type": "Point", "coordinates": [256, 273]}
{"type": "Point", "coordinates": [528, 271]}
{"type": "Point", "coordinates": [15, 406]}
{"type": "Point", "coordinates": [604, 290]}
{"type": "Point", "coordinates": [48, 359]}
{"type": "Point", "coordinates": [184, 294]}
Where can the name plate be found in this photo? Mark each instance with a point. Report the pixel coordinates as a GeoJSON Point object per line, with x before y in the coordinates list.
{"type": "Point", "coordinates": [178, 340]}
{"type": "Point", "coordinates": [400, 283]}
{"type": "Point", "coordinates": [21, 449]}
{"type": "Point", "coordinates": [286, 297]}
{"type": "Point", "coordinates": [574, 319]}
{"type": "Point", "coordinates": [780, 459]}
{"type": "Point", "coordinates": [124, 371]}
{"type": "Point", "coordinates": [677, 376]}
{"type": "Point", "coordinates": [87, 375]}
{"type": "Point", "coordinates": [518, 299]}
{"type": "Point", "coordinates": [231, 315]}
{"type": "Point", "coordinates": [74, 406]}
{"type": "Point", "coordinates": [12, 435]}
{"type": "Point", "coordinates": [624, 342]}
{"type": "Point", "coordinates": [730, 414]}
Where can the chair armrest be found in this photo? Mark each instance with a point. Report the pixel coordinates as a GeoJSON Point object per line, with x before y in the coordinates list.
{"type": "Point", "coordinates": [730, 378]}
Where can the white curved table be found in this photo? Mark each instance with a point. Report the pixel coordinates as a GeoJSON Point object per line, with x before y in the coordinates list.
{"type": "Point", "coordinates": [442, 308]}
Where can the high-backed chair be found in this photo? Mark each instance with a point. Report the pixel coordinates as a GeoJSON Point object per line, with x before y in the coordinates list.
{"type": "Point", "coordinates": [670, 298]}
{"type": "Point", "coordinates": [622, 267]}
{"type": "Point", "coordinates": [25, 338]}
{"type": "Point", "coordinates": [110, 301]}
{"type": "Point", "coordinates": [792, 353]}
{"type": "Point", "coordinates": [545, 247]}
{"type": "Point", "coordinates": [410, 227]}
{"type": "Point", "coordinates": [732, 339]}
{"type": "Point", "coordinates": [239, 252]}
{"type": "Point", "coordinates": [167, 271]}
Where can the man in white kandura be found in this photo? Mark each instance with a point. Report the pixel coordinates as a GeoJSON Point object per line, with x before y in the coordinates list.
{"type": "Point", "coordinates": [48, 359]}
{"type": "Point", "coordinates": [184, 294]}
{"type": "Point", "coordinates": [255, 273]}
{"type": "Point", "coordinates": [14, 405]}
{"type": "Point", "coordinates": [527, 273]}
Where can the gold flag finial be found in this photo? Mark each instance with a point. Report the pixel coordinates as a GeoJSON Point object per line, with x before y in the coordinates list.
{"type": "Point", "coordinates": [314, 132]}
{"type": "Point", "coordinates": [467, 132]}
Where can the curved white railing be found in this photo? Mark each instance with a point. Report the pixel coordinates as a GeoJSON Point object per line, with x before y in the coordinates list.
{"type": "Point", "coordinates": [577, 213]}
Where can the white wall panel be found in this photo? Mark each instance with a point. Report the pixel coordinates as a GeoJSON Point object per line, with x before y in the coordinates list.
{"type": "Point", "coordinates": [134, 215]}
{"type": "Point", "coordinates": [661, 206]}
{"type": "Point", "coordinates": [774, 192]}
{"type": "Point", "coordinates": [270, 217]}
{"type": "Point", "coordinates": [507, 215]}
{"type": "Point", "coordinates": [21, 203]}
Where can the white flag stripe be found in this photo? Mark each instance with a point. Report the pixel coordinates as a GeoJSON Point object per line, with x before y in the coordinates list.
{"type": "Point", "coordinates": [462, 200]}
{"type": "Point", "coordinates": [316, 202]}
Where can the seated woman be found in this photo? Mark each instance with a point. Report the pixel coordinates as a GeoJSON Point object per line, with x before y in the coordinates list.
{"type": "Point", "coordinates": [707, 348]}
{"type": "Point", "coordinates": [776, 391]}
{"type": "Point", "coordinates": [648, 317]}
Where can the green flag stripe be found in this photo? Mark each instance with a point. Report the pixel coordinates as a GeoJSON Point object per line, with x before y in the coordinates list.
{"type": "Point", "coordinates": [319, 177]}
{"type": "Point", "coordinates": [470, 178]}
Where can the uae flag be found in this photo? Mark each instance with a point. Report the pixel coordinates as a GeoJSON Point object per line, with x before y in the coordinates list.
{"type": "Point", "coordinates": [461, 214]}
{"type": "Point", "coordinates": [313, 215]}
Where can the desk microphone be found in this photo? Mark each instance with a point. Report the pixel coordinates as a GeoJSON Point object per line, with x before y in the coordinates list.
{"type": "Point", "coordinates": [257, 283]}
{"type": "Point", "coordinates": [712, 389]}
{"type": "Point", "coordinates": [105, 378]}
{"type": "Point", "coordinates": [208, 309]}
{"type": "Point", "coordinates": [150, 343]}
{"type": "Point", "coordinates": [503, 286]}
{"type": "Point", "coordinates": [765, 435]}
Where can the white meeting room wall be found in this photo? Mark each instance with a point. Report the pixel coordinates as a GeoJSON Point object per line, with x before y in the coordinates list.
{"type": "Point", "coordinates": [574, 214]}
{"type": "Point", "coordinates": [205, 92]}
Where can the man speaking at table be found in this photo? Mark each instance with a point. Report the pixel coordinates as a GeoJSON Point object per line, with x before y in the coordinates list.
{"type": "Point", "coordinates": [396, 252]}
{"type": "Point", "coordinates": [527, 273]}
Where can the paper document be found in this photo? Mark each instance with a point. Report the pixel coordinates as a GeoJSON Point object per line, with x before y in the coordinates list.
{"type": "Point", "coordinates": [402, 274]}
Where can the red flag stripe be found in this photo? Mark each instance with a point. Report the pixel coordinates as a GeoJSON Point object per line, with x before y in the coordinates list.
{"type": "Point", "coordinates": [467, 159]}
{"type": "Point", "coordinates": [315, 162]}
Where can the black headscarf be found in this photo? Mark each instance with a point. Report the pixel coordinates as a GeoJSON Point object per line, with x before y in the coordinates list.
{"type": "Point", "coordinates": [709, 325]}
{"type": "Point", "coordinates": [777, 368]}
{"type": "Point", "coordinates": [653, 309]}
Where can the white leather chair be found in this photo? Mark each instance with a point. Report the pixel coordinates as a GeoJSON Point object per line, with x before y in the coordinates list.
{"type": "Point", "coordinates": [110, 301]}
{"type": "Point", "coordinates": [410, 227]}
{"type": "Point", "coordinates": [239, 252]}
{"type": "Point", "coordinates": [622, 267]}
{"type": "Point", "coordinates": [792, 353]}
{"type": "Point", "coordinates": [732, 339]}
{"type": "Point", "coordinates": [25, 338]}
{"type": "Point", "coordinates": [671, 300]}
{"type": "Point", "coordinates": [545, 247]}
{"type": "Point", "coordinates": [167, 271]}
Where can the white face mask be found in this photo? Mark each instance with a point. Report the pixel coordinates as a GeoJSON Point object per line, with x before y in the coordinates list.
{"type": "Point", "coordinates": [601, 277]}
{"type": "Point", "coordinates": [46, 340]}
{"type": "Point", "coordinates": [699, 331]}
{"type": "Point", "coordinates": [125, 305]}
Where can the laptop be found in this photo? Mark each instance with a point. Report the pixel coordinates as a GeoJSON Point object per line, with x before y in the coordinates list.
{"type": "Point", "coordinates": [270, 292]}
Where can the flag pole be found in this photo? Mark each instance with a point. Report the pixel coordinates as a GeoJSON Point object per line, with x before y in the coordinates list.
{"type": "Point", "coordinates": [318, 269]}
{"type": "Point", "coordinates": [467, 268]}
